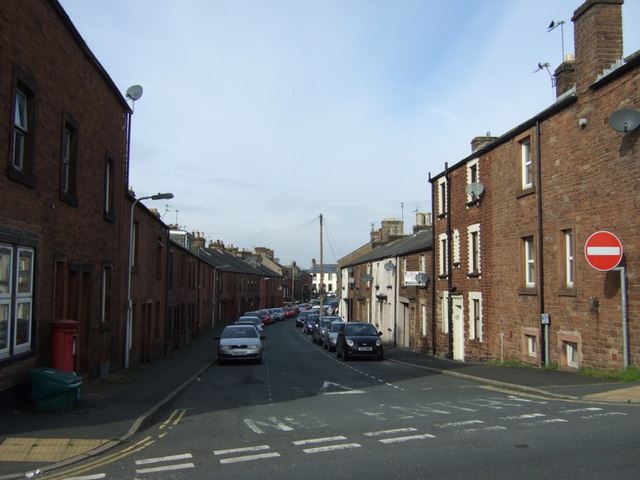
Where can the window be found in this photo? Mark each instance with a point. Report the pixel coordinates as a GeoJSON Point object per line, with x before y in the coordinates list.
{"type": "Point", "coordinates": [475, 316]}
{"type": "Point", "coordinates": [21, 148]}
{"type": "Point", "coordinates": [442, 197]}
{"type": "Point", "coordinates": [532, 345]}
{"type": "Point", "coordinates": [529, 263]}
{"type": "Point", "coordinates": [442, 255]}
{"type": "Point", "coordinates": [423, 311]}
{"type": "Point", "coordinates": [455, 248]}
{"type": "Point", "coordinates": [16, 299]}
{"type": "Point", "coordinates": [569, 269]}
{"type": "Point", "coordinates": [472, 177]}
{"type": "Point", "coordinates": [526, 165]}
{"type": "Point", "coordinates": [69, 161]}
{"type": "Point", "coordinates": [109, 188]}
{"type": "Point", "coordinates": [444, 317]}
{"type": "Point", "coordinates": [474, 249]}
{"type": "Point", "coordinates": [571, 351]}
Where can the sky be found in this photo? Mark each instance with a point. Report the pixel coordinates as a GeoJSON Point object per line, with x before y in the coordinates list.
{"type": "Point", "coordinates": [261, 115]}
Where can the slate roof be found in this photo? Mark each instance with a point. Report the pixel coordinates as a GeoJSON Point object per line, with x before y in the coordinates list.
{"type": "Point", "coordinates": [418, 242]}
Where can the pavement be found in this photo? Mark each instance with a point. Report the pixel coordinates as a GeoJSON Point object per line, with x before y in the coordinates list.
{"type": "Point", "coordinates": [110, 411]}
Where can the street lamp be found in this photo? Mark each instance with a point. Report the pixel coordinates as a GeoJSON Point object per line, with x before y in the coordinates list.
{"type": "Point", "coordinates": [215, 293]}
{"type": "Point", "coordinates": [127, 341]}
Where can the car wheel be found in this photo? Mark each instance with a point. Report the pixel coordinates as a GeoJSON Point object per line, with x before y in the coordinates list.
{"type": "Point", "coordinates": [345, 355]}
{"type": "Point", "coordinates": [338, 353]}
{"type": "Point", "coordinates": [380, 357]}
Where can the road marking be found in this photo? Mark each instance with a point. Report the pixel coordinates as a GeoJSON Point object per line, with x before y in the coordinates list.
{"type": "Point", "coordinates": [97, 476]}
{"type": "Point", "coordinates": [318, 440]}
{"type": "Point", "coordinates": [600, 415]}
{"type": "Point", "coordinates": [580, 410]}
{"type": "Point", "coordinates": [408, 438]}
{"type": "Point", "coordinates": [255, 425]}
{"type": "Point", "coordinates": [166, 468]}
{"type": "Point", "coordinates": [524, 417]}
{"type": "Point", "coordinates": [484, 429]}
{"type": "Point", "coordinates": [460, 424]}
{"type": "Point", "coordinates": [174, 418]}
{"type": "Point", "coordinates": [241, 450]}
{"type": "Point", "coordinates": [342, 390]}
{"type": "Point", "coordinates": [249, 458]}
{"type": "Point", "coordinates": [170, 458]}
{"type": "Point", "coordinates": [542, 422]}
{"type": "Point", "coordinates": [332, 448]}
{"type": "Point", "coordinates": [389, 432]}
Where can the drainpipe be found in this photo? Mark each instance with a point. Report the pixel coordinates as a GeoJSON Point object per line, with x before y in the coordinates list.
{"type": "Point", "coordinates": [545, 326]}
{"type": "Point", "coordinates": [434, 349]}
{"type": "Point", "coordinates": [449, 271]}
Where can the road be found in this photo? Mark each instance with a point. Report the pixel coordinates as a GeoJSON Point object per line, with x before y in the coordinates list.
{"type": "Point", "coordinates": [305, 414]}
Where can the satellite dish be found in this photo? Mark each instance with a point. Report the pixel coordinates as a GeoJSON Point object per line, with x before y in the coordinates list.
{"type": "Point", "coordinates": [422, 278]}
{"type": "Point", "coordinates": [351, 280]}
{"type": "Point", "coordinates": [389, 266]}
{"type": "Point", "coordinates": [474, 189]}
{"type": "Point", "coordinates": [134, 92]}
{"type": "Point", "coordinates": [625, 120]}
{"type": "Point", "coordinates": [349, 269]}
{"type": "Point", "coordinates": [367, 278]}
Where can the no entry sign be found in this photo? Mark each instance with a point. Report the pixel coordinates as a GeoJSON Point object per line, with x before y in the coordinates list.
{"type": "Point", "coordinates": [603, 251]}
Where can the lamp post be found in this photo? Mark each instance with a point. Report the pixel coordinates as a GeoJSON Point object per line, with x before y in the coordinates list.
{"type": "Point", "coordinates": [127, 333]}
{"type": "Point", "coordinates": [215, 293]}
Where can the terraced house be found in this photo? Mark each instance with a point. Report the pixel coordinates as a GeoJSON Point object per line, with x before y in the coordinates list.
{"type": "Point", "coordinates": [511, 220]}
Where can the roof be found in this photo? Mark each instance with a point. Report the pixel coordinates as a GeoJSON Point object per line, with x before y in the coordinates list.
{"type": "Point", "coordinates": [418, 242]}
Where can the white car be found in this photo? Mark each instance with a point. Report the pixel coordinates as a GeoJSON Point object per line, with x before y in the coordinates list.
{"type": "Point", "coordinates": [240, 342]}
{"type": "Point", "coordinates": [330, 336]}
{"type": "Point", "coordinates": [246, 320]}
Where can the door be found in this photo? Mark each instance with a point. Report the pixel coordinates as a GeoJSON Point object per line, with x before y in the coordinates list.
{"type": "Point", "coordinates": [458, 328]}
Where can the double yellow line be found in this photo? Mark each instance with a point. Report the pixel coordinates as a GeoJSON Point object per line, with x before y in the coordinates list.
{"type": "Point", "coordinates": [175, 417]}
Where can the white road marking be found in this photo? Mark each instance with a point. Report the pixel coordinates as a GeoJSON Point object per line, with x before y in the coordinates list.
{"type": "Point", "coordinates": [171, 458]}
{"type": "Point", "coordinates": [168, 468]}
{"type": "Point", "coordinates": [249, 458]}
{"type": "Point", "coordinates": [483, 429]}
{"type": "Point", "coordinates": [389, 432]}
{"type": "Point", "coordinates": [542, 422]}
{"type": "Point", "coordinates": [97, 476]}
{"type": "Point", "coordinates": [387, 441]}
{"type": "Point", "coordinates": [600, 415]}
{"type": "Point", "coordinates": [255, 425]}
{"type": "Point", "coordinates": [331, 448]}
{"type": "Point", "coordinates": [318, 440]}
{"type": "Point", "coordinates": [524, 417]}
{"type": "Point", "coordinates": [241, 450]}
{"type": "Point", "coordinates": [580, 410]}
{"type": "Point", "coordinates": [460, 424]}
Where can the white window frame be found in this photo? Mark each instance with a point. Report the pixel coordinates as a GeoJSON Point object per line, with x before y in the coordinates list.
{"type": "Point", "coordinates": [526, 163]}
{"type": "Point", "coordinates": [444, 316]}
{"type": "Point", "coordinates": [473, 235]}
{"type": "Point", "coordinates": [20, 128]}
{"type": "Point", "coordinates": [442, 254]}
{"type": "Point", "coordinates": [442, 196]}
{"type": "Point", "coordinates": [455, 247]}
{"type": "Point", "coordinates": [475, 316]}
{"type": "Point", "coordinates": [473, 166]}
{"type": "Point", "coordinates": [532, 345]}
{"type": "Point", "coordinates": [529, 262]}
{"type": "Point", "coordinates": [423, 312]}
{"type": "Point", "coordinates": [17, 300]}
{"type": "Point", "coordinates": [571, 350]}
{"type": "Point", "coordinates": [568, 259]}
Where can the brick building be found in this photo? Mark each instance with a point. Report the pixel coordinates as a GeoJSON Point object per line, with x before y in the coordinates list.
{"type": "Point", "coordinates": [509, 248]}
{"type": "Point", "coordinates": [63, 223]}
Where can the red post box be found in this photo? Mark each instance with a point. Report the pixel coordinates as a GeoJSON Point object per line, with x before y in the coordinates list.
{"type": "Point", "coordinates": [64, 335]}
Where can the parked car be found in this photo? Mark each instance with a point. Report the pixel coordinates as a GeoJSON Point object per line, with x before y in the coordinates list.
{"type": "Point", "coordinates": [302, 316]}
{"type": "Point", "coordinates": [289, 312]}
{"type": "Point", "coordinates": [240, 342]}
{"type": "Point", "coordinates": [251, 321]}
{"type": "Point", "coordinates": [311, 320]}
{"type": "Point", "coordinates": [263, 315]}
{"type": "Point", "coordinates": [277, 314]}
{"type": "Point", "coordinates": [359, 339]}
{"type": "Point", "coordinates": [331, 336]}
{"type": "Point", "coordinates": [317, 335]}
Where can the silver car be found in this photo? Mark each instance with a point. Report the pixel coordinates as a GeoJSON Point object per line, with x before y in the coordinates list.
{"type": "Point", "coordinates": [240, 342]}
{"type": "Point", "coordinates": [330, 336]}
{"type": "Point", "coordinates": [251, 321]}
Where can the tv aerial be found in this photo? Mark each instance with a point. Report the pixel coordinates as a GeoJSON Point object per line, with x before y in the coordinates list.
{"type": "Point", "coordinates": [474, 189]}
{"type": "Point", "coordinates": [625, 120]}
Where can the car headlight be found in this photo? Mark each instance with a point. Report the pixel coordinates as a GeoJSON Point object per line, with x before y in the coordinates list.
{"type": "Point", "coordinates": [350, 342]}
{"type": "Point", "coordinates": [225, 347]}
{"type": "Point", "coordinates": [378, 342]}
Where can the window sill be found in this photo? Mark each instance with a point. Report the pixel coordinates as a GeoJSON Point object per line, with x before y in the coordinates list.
{"type": "Point", "coordinates": [473, 275]}
{"type": "Point", "coordinates": [70, 199]}
{"type": "Point", "coordinates": [525, 192]}
{"type": "Point", "coordinates": [471, 203]}
{"type": "Point", "coordinates": [109, 217]}
{"type": "Point", "coordinates": [567, 292]}
{"type": "Point", "coordinates": [442, 215]}
{"type": "Point", "coordinates": [527, 291]}
{"type": "Point", "coordinates": [20, 176]}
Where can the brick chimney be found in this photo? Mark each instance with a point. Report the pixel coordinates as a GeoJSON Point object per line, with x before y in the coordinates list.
{"type": "Point", "coordinates": [597, 31]}
{"type": "Point", "coordinates": [479, 142]}
{"type": "Point", "coordinates": [565, 75]}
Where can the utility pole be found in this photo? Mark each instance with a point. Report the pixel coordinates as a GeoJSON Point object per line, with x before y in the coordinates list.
{"type": "Point", "coordinates": [321, 270]}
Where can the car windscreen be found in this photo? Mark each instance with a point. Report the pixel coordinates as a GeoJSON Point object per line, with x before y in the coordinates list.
{"type": "Point", "coordinates": [366, 329]}
{"type": "Point", "coordinates": [248, 332]}
{"type": "Point", "coordinates": [335, 327]}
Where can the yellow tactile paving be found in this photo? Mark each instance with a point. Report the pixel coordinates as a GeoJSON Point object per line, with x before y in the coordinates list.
{"type": "Point", "coordinates": [45, 449]}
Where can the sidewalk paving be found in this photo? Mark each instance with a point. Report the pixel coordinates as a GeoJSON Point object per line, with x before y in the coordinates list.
{"type": "Point", "coordinates": [110, 411]}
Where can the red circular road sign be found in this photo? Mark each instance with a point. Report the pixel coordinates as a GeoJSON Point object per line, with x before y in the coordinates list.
{"type": "Point", "coordinates": [603, 251]}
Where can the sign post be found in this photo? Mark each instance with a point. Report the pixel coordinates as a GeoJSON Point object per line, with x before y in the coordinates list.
{"type": "Point", "coordinates": [603, 251]}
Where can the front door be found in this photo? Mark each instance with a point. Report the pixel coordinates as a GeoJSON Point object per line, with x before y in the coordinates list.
{"type": "Point", "coordinates": [458, 328]}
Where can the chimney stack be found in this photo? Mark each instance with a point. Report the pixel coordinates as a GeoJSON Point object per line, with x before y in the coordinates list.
{"type": "Point", "coordinates": [597, 31]}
